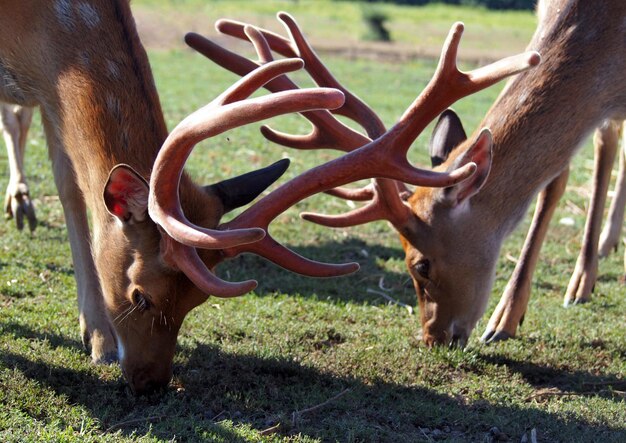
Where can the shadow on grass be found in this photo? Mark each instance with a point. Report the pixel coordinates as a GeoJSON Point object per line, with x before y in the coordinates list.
{"type": "Point", "coordinates": [260, 393]}
{"type": "Point", "coordinates": [564, 380]}
{"type": "Point", "coordinates": [350, 288]}
{"type": "Point", "coordinates": [55, 340]}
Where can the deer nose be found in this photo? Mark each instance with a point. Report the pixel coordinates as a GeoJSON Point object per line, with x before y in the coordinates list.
{"type": "Point", "coordinates": [460, 336]}
{"type": "Point", "coordinates": [145, 382]}
{"type": "Point", "coordinates": [435, 339]}
{"type": "Point", "coordinates": [459, 340]}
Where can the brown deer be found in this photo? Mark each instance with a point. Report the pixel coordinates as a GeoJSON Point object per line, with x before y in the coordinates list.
{"type": "Point", "coordinates": [149, 261]}
{"type": "Point", "coordinates": [14, 122]}
{"type": "Point", "coordinates": [452, 237]}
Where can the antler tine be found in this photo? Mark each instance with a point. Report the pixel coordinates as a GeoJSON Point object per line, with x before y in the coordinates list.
{"type": "Point", "coordinates": [354, 108]}
{"type": "Point", "coordinates": [256, 79]}
{"type": "Point", "coordinates": [218, 116]}
{"type": "Point", "coordinates": [355, 194]}
{"type": "Point", "coordinates": [209, 121]}
{"type": "Point", "coordinates": [288, 259]}
{"type": "Point", "coordinates": [380, 206]}
{"type": "Point", "coordinates": [335, 134]}
{"type": "Point", "coordinates": [372, 211]}
{"type": "Point", "coordinates": [277, 42]}
{"type": "Point", "coordinates": [480, 78]}
{"type": "Point", "coordinates": [261, 46]}
{"type": "Point", "coordinates": [448, 85]}
{"type": "Point", "coordinates": [191, 265]}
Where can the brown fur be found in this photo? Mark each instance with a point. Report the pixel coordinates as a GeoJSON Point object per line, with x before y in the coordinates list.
{"type": "Point", "coordinates": [537, 123]}
{"type": "Point", "coordinates": [100, 108]}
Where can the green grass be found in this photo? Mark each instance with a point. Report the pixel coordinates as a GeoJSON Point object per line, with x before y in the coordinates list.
{"type": "Point", "coordinates": [249, 364]}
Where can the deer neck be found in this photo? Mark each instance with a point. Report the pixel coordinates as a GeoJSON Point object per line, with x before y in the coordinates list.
{"type": "Point", "coordinates": [543, 115]}
{"type": "Point", "coordinates": [89, 73]}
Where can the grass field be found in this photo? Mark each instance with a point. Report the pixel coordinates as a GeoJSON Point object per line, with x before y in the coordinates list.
{"type": "Point", "coordinates": [303, 360]}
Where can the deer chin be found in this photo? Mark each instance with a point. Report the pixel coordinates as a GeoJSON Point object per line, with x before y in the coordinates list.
{"type": "Point", "coordinates": [147, 368]}
{"type": "Point", "coordinates": [452, 280]}
{"type": "Point", "coordinates": [446, 325]}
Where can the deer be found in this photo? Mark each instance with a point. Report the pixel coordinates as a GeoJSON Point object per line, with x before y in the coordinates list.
{"type": "Point", "coordinates": [156, 235]}
{"type": "Point", "coordinates": [15, 122]}
{"type": "Point", "coordinates": [452, 237]}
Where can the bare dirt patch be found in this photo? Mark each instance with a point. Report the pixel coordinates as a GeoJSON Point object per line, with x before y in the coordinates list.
{"type": "Point", "coordinates": [163, 32]}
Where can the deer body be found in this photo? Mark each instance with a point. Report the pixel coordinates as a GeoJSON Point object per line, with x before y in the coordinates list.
{"type": "Point", "coordinates": [512, 306]}
{"type": "Point", "coordinates": [537, 123]}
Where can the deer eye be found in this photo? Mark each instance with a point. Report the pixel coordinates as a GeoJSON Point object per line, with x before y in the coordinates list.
{"type": "Point", "coordinates": [140, 300]}
{"type": "Point", "coordinates": [422, 268]}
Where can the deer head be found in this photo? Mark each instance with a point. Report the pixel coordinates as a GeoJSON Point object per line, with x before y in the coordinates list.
{"type": "Point", "coordinates": [147, 296]}
{"type": "Point", "coordinates": [451, 257]}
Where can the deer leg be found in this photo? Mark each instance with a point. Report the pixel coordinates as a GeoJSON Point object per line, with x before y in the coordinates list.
{"type": "Point", "coordinates": [584, 277]}
{"type": "Point", "coordinates": [15, 122]}
{"type": "Point", "coordinates": [512, 306]}
{"type": "Point", "coordinates": [610, 236]}
{"type": "Point", "coordinates": [95, 328]}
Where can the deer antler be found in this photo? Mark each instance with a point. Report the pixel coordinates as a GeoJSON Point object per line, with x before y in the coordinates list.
{"type": "Point", "coordinates": [390, 147]}
{"type": "Point", "coordinates": [229, 110]}
{"type": "Point", "coordinates": [328, 132]}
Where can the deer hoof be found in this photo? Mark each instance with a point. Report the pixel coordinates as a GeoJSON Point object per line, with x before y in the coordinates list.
{"type": "Point", "coordinates": [17, 204]}
{"type": "Point", "coordinates": [495, 336]}
{"type": "Point", "coordinates": [487, 335]}
{"type": "Point", "coordinates": [575, 301]}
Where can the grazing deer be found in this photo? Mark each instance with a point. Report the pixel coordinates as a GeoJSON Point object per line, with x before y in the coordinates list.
{"type": "Point", "coordinates": [452, 236]}
{"type": "Point", "coordinates": [14, 123]}
{"type": "Point", "coordinates": [149, 261]}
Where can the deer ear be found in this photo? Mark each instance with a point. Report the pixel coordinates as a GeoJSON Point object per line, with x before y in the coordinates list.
{"type": "Point", "coordinates": [447, 135]}
{"type": "Point", "coordinates": [126, 194]}
{"type": "Point", "coordinates": [241, 190]}
{"type": "Point", "coordinates": [480, 154]}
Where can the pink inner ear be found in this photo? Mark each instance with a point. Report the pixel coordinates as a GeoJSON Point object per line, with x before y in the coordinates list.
{"type": "Point", "coordinates": [482, 151]}
{"type": "Point", "coordinates": [123, 182]}
{"type": "Point", "coordinates": [125, 194]}
{"type": "Point", "coordinates": [119, 208]}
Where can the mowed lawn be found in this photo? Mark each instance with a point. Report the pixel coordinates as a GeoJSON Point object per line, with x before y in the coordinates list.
{"type": "Point", "coordinates": [302, 360]}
